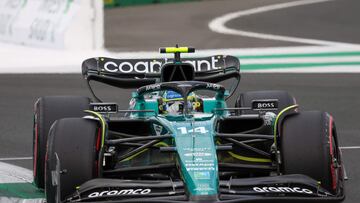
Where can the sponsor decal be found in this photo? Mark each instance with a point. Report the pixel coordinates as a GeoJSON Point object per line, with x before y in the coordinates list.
{"type": "Point", "coordinates": [212, 86]}
{"type": "Point", "coordinates": [138, 67]}
{"type": "Point", "coordinates": [201, 169]}
{"type": "Point", "coordinates": [153, 87]}
{"type": "Point", "coordinates": [200, 160]}
{"type": "Point", "coordinates": [197, 154]}
{"type": "Point", "coordinates": [204, 175]}
{"type": "Point", "coordinates": [120, 192]}
{"type": "Point", "coordinates": [154, 66]}
{"type": "Point", "coordinates": [282, 189]}
{"type": "Point", "coordinates": [264, 104]}
{"type": "Point", "coordinates": [199, 164]}
{"type": "Point", "coordinates": [197, 149]}
{"type": "Point", "coordinates": [201, 130]}
{"type": "Point", "coordinates": [172, 95]}
{"type": "Point", "coordinates": [202, 65]}
{"type": "Point", "coordinates": [204, 189]}
{"type": "Point", "coordinates": [104, 107]}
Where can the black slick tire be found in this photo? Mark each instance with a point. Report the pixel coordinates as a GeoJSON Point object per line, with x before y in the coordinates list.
{"type": "Point", "coordinates": [309, 146]}
{"type": "Point", "coordinates": [74, 141]}
{"type": "Point", "coordinates": [47, 110]}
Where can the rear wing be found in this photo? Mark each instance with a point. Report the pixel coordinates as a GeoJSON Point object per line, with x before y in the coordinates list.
{"type": "Point", "coordinates": [135, 73]}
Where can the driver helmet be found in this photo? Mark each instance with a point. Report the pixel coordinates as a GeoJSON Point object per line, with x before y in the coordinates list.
{"type": "Point", "coordinates": [173, 103]}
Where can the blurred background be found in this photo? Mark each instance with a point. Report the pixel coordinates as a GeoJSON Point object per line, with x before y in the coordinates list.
{"type": "Point", "coordinates": [310, 48]}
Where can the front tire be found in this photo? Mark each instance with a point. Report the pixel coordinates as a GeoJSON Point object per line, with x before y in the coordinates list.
{"type": "Point", "coordinates": [309, 146]}
{"type": "Point", "coordinates": [74, 140]}
{"type": "Point", "coordinates": [47, 110]}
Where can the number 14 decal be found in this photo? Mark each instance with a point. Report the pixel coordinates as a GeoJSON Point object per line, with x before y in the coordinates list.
{"type": "Point", "coordinates": [184, 130]}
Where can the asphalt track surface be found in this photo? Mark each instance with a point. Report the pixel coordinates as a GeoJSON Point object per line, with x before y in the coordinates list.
{"type": "Point", "coordinates": [149, 27]}
{"type": "Point", "coordinates": [332, 21]}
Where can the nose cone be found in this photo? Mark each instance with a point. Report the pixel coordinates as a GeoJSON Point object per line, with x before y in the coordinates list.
{"type": "Point", "coordinates": [197, 158]}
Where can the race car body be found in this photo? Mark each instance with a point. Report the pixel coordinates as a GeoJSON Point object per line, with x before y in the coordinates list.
{"type": "Point", "coordinates": [180, 142]}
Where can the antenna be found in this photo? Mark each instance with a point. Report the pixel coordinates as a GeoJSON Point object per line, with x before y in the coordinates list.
{"type": "Point", "coordinates": [176, 51]}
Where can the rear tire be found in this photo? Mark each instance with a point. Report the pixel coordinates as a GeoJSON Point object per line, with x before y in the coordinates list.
{"type": "Point", "coordinates": [309, 146]}
{"type": "Point", "coordinates": [245, 99]}
{"type": "Point", "coordinates": [74, 142]}
{"type": "Point", "coordinates": [47, 110]}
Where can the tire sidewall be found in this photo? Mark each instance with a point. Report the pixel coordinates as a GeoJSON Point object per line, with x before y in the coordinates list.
{"type": "Point", "coordinates": [314, 147]}
{"type": "Point", "coordinates": [44, 116]}
{"type": "Point", "coordinates": [77, 159]}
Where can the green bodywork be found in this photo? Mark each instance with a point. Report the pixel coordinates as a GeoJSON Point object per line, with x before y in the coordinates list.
{"type": "Point", "coordinates": [194, 139]}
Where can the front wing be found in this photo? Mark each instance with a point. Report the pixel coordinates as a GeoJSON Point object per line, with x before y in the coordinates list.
{"type": "Point", "coordinates": [294, 188]}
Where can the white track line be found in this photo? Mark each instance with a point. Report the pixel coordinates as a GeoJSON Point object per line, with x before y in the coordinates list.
{"type": "Point", "coordinates": [51, 61]}
{"type": "Point", "coordinates": [218, 25]}
{"type": "Point", "coordinates": [15, 158]}
{"type": "Point", "coordinates": [350, 147]}
{"type": "Point", "coordinates": [309, 69]}
{"type": "Point", "coordinates": [301, 60]}
{"type": "Point", "coordinates": [273, 50]}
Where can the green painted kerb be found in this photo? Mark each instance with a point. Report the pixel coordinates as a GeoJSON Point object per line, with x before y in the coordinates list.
{"type": "Point", "coordinates": [303, 64]}
{"type": "Point", "coordinates": [294, 65]}
{"type": "Point", "coordinates": [304, 55]}
{"type": "Point", "coordinates": [20, 190]}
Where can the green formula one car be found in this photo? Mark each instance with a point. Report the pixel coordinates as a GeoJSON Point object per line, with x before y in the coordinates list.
{"type": "Point", "coordinates": [180, 142]}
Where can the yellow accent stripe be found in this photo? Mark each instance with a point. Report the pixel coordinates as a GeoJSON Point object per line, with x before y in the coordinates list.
{"type": "Point", "coordinates": [250, 159]}
{"type": "Point", "coordinates": [103, 125]}
{"type": "Point", "coordinates": [159, 144]}
{"type": "Point", "coordinates": [246, 158]}
{"type": "Point", "coordinates": [179, 99]}
{"type": "Point", "coordinates": [177, 50]}
{"type": "Point", "coordinates": [278, 117]}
